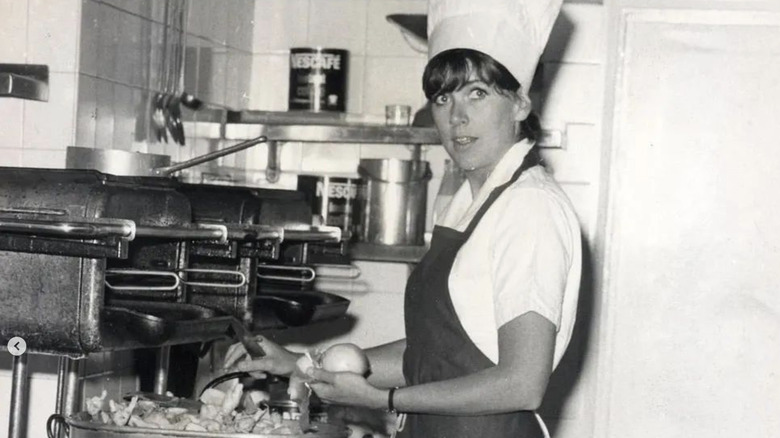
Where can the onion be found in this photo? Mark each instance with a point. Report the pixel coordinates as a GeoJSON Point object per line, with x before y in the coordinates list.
{"type": "Point", "coordinates": [345, 358]}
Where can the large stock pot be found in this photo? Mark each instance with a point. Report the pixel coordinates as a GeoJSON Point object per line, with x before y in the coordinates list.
{"type": "Point", "coordinates": [393, 200]}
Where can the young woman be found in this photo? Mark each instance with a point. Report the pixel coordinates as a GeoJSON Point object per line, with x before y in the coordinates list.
{"type": "Point", "coordinates": [489, 310]}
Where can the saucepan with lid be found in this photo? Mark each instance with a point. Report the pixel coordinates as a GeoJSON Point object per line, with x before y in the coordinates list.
{"type": "Point", "coordinates": [126, 163]}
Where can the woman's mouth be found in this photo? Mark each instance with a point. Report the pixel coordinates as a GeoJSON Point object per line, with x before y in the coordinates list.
{"type": "Point", "coordinates": [463, 140]}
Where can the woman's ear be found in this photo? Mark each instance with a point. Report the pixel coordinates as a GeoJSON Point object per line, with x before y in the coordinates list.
{"type": "Point", "coordinates": [522, 106]}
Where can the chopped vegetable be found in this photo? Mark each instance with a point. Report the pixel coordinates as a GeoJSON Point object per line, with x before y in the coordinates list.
{"type": "Point", "coordinates": [232, 399]}
{"type": "Point", "coordinates": [120, 413]}
{"type": "Point", "coordinates": [95, 405]}
{"type": "Point", "coordinates": [213, 397]}
{"type": "Point", "coordinates": [233, 411]}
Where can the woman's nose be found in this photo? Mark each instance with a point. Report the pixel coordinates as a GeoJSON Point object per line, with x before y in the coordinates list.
{"type": "Point", "coordinates": [458, 114]}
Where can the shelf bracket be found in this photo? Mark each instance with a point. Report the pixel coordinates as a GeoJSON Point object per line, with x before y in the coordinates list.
{"type": "Point", "coordinates": [416, 152]}
{"type": "Point", "coordinates": [273, 169]}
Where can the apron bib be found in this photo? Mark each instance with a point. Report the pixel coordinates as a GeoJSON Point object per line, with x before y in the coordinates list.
{"type": "Point", "coordinates": [438, 347]}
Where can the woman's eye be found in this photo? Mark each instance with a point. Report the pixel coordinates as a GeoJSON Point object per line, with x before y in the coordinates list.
{"type": "Point", "coordinates": [478, 93]}
{"type": "Point", "coordinates": [440, 99]}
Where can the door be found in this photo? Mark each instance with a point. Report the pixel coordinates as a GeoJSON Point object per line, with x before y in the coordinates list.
{"type": "Point", "coordinates": [691, 280]}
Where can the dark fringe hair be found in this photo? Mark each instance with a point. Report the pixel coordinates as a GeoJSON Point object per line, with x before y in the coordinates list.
{"type": "Point", "coordinates": [451, 69]}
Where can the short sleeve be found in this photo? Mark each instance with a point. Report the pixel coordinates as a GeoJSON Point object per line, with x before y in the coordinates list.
{"type": "Point", "coordinates": [530, 256]}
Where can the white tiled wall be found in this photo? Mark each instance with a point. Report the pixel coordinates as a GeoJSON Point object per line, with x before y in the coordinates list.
{"type": "Point", "coordinates": [14, 47]}
{"type": "Point", "coordinates": [105, 64]}
{"type": "Point", "coordinates": [104, 61]}
{"type": "Point", "coordinates": [34, 132]}
{"type": "Point", "coordinates": [384, 69]}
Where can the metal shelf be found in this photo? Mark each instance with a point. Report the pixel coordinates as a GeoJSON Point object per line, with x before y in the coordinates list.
{"type": "Point", "coordinates": [302, 126]}
{"type": "Point", "coordinates": [350, 134]}
{"type": "Point", "coordinates": [307, 127]}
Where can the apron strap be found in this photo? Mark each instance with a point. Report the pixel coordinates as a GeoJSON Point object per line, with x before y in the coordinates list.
{"type": "Point", "coordinates": [529, 161]}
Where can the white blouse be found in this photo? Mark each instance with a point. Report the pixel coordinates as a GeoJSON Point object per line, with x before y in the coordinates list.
{"type": "Point", "coordinates": [524, 255]}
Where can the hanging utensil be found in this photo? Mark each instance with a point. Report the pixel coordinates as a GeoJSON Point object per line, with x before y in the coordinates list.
{"type": "Point", "coordinates": [176, 85]}
{"type": "Point", "coordinates": [158, 118]}
{"type": "Point", "coordinates": [159, 110]}
{"type": "Point", "coordinates": [171, 117]}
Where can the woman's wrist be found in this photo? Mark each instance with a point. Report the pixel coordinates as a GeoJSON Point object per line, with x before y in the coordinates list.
{"type": "Point", "coordinates": [391, 399]}
{"type": "Point", "coordinates": [378, 400]}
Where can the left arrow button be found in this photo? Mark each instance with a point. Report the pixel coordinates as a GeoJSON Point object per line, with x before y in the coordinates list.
{"type": "Point", "coordinates": [17, 346]}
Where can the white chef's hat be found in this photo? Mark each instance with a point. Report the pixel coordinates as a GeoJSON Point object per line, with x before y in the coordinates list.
{"type": "Point", "coordinates": [513, 32]}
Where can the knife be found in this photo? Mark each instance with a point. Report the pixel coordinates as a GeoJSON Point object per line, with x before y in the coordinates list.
{"type": "Point", "coordinates": [304, 420]}
{"type": "Point", "coordinates": [243, 335]}
{"type": "Point", "coordinates": [254, 351]}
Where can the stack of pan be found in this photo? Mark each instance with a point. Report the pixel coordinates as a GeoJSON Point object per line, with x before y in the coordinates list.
{"type": "Point", "coordinates": [277, 292]}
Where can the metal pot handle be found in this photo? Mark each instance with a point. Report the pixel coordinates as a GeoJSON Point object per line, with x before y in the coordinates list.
{"type": "Point", "coordinates": [142, 273]}
{"type": "Point", "coordinates": [310, 274]}
{"type": "Point", "coordinates": [240, 278]}
{"type": "Point", "coordinates": [168, 170]}
{"type": "Point", "coordinates": [52, 423]}
{"type": "Point", "coordinates": [348, 272]}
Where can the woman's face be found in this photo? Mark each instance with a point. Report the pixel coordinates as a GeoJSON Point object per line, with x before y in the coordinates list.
{"type": "Point", "coordinates": [477, 123]}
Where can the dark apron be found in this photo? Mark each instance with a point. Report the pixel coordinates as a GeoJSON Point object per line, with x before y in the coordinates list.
{"type": "Point", "coordinates": [438, 347]}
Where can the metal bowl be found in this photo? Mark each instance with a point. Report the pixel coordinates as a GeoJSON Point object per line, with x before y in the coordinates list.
{"type": "Point", "coordinates": [78, 428]}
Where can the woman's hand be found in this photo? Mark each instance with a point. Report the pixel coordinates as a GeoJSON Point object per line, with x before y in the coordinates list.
{"type": "Point", "coordinates": [277, 360]}
{"type": "Point", "coordinates": [346, 389]}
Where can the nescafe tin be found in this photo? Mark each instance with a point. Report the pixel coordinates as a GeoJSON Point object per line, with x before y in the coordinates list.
{"type": "Point", "coordinates": [318, 79]}
{"type": "Point", "coordinates": [333, 198]}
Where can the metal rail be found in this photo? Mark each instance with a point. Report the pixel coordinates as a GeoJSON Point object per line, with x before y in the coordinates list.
{"type": "Point", "coordinates": [313, 234]}
{"type": "Point", "coordinates": [200, 232]}
{"type": "Point", "coordinates": [161, 370]}
{"type": "Point", "coordinates": [19, 391]}
{"type": "Point", "coordinates": [128, 230]}
{"type": "Point", "coordinates": [113, 228]}
{"type": "Point", "coordinates": [68, 389]}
